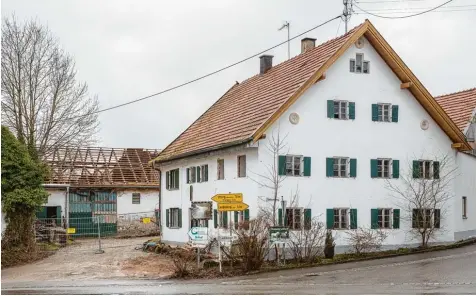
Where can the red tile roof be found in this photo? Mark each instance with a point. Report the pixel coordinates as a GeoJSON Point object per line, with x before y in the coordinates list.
{"type": "Point", "coordinates": [236, 116]}
{"type": "Point", "coordinates": [459, 106]}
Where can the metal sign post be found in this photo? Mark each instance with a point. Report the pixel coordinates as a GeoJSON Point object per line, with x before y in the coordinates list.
{"type": "Point", "coordinates": [219, 251]}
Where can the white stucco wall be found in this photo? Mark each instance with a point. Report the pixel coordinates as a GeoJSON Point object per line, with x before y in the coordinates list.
{"type": "Point", "coordinates": [56, 198]}
{"type": "Point", "coordinates": [320, 137]}
{"type": "Point", "coordinates": [465, 185]}
{"type": "Point", "coordinates": [149, 200]}
{"type": "Point", "coordinates": [206, 190]}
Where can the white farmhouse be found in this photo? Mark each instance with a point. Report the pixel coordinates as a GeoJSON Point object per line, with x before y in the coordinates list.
{"type": "Point", "coordinates": [350, 116]}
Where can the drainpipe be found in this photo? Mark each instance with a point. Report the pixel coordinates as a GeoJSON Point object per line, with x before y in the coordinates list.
{"type": "Point", "coordinates": [160, 197]}
{"type": "Point", "coordinates": [66, 202]}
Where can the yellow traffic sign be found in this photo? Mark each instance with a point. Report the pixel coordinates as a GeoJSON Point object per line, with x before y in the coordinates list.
{"type": "Point", "coordinates": [71, 231]}
{"type": "Point", "coordinates": [227, 207]}
{"type": "Point", "coordinates": [227, 198]}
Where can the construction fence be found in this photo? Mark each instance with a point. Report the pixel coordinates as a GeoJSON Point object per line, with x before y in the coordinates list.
{"type": "Point", "coordinates": [96, 233]}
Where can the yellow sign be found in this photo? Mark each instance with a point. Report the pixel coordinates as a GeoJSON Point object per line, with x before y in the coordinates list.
{"type": "Point", "coordinates": [226, 207]}
{"type": "Point", "coordinates": [226, 198]}
{"type": "Point", "coordinates": [145, 220]}
{"type": "Point", "coordinates": [71, 230]}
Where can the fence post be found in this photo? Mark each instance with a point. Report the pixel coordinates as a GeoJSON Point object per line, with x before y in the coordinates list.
{"type": "Point", "coordinates": [100, 250]}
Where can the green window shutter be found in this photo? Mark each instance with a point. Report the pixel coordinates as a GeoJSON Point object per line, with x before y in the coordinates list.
{"type": "Point", "coordinates": [307, 166]}
{"type": "Point", "coordinates": [436, 170]}
{"type": "Point", "coordinates": [374, 112]}
{"type": "Point", "coordinates": [188, 175]}
{"type": "Point", "coordinates": [167, 177]}
{"type": "Point", "coordinates": [396, 219]}
{"type": "Point", "coordinates": [353, 218]}
{"type": "Point", "coordinates": [394, 113]}
{"type": "Point", "coordinates": [206, 223]}
{"type": "Point", "coordinates": [180, 218]}
{"type": "Point", "coordinates": [307, 219]}
{"type": "Point", "coordinates": [225, 219]}
{"type": "Point", "coordinates": [199, 178]}
{"type": "Point", "coordinates": [206, 173]}
{"type": "Point", "coordinates": [167, 215]}
{"type": "Point", "coordinates": [282, 165]}
{"type": "Point", "coordinates": [330, 109]}
{"type": "Point", "coordinates": [329, 167]}
{"type": "Point", "coordinates": [247, 215]}
{"type": "Point", "coordinates": [437, 218]}
{"type": "Point", "coordinates": [374, 218]}
{"type": "Point", "coordinates": [280, 217]}
{"type": "Point", "coordinates": [236, 219]}
{"type": "Point", "coordinates": [373, 168]}
{"type": "Point", "coordinates": [395, 168]}
{"type": "Point", "coordinates": [330, 218]}
{"type": "Point", "coordinates": [215, 218]}
{"type": "Point", "coordinates": [286, 219]}
{"type": "Point", "coordinates": [177, 179]}
{"type": "Point", "coordinates": [353, 167]}
{"type": "Point", "coordinates": [416, 169]}
{"type": "Point", "coordinates": [352, 110]}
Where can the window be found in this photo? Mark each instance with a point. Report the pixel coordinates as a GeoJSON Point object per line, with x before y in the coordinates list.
{"type": "Point", "coordinates": [174, 218]}
{"type": "Point", "coordinates": [191, 175]}
{"type": "Point", "coordinates": [423, 218]}
{"type": "Point", "coordinates": [198, 223]}
{"type": "Point", "coordinates": [220, 169]}
{"type": "Point", "coordinates": [172, 179]}
{"type": "Point", "coordinates": [340, 167]}
{"type": "Point", "coordinates": [294, 218]}
{"type": "Point", "coordinates": [341, 220]}
{"type": "Point", "coordinates": [293, 165]}
{"type": "Point", "coordinates": [426, 169]}
{"type": "Point", "coordinates": [383, 168]}
{"type": "Point", "coordinates": [464, 207]}
{"type": "Point", "coordinates": [340, 109]}
{"type": "Point", "coordinates": [203, 173]}
{"type": "Point", "coordinates": [240, 217]}
{"type": "Point", "coordinates": [384, 112]}
{"type": "Point", "coordinates": [384, 216]}
{"type": "Point", "coordinates": [135, 198]}
{"type": "Point", "coordinates": [359, 65]}
{"type": "Point", "coordinates": [241, 166]}
{"type": "Point", "coordinates": [223, 220]}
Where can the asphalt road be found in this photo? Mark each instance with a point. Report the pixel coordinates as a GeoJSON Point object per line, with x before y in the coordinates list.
{"type": "Point", "coordinates": [445, 272]}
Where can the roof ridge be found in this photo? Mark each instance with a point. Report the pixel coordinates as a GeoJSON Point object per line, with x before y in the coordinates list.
{"type": "Point", "coordinates": [456, 92]}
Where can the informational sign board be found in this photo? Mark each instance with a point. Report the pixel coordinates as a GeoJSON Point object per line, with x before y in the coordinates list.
{"type": "Point", "coordinates": [145, 220]}
{"type": "Point", "coordinates": [198, 235]}
{"type": "Point", "coordinates": [278, 235]}
{"type": "Point", "coordinates": [228, 198]}
{"type": "Point", "coordinates": [71, 230]}
{"type": "Point", "coordinates": [202, 210]}
{"type": "Point", "coordinates": [227, 207]}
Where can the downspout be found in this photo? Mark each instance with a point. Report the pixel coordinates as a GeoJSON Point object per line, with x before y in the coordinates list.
{"type": "Point", "coordinates": [160, 197]}
{"type": "Point", "coordinates": [66, 202]}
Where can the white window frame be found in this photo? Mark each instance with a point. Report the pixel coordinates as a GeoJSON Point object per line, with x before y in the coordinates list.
{"type": "Point", "coordinates": [171, 179]}
{"type": "Point", "coordinates": [220, 169]}
{"type": "Point", "coordinates": [424, 171]}
{"type": "Point", "coordinates": [341, 223]}
{"type": "Point", "coordinates": [220, 220]}
{"type": "Point", "coordinates": [203, 176]}
{"type": "Point", "coordinates": [241, 219]}
{"type": "Point", "coordinates": [174, 217]}
{"type": "Point", "coordinates": [354, 64]}
{"type": "Point", "coordinates": [381, 164]}
{"type": "Point", "coordinates": [192, 175]}
{"type": "Point", "coordinates": [291, 161]}
{"type": "Point", "coordinates": [300, 220]}
{"type": "Point", "coordinates": [339, 161]}
{"type": "Point", "coordinates": [381, 112]}
{"type": "Point", "coordinates": [341, 105]}
{"type": "Point", "coordinates": [384, 212]}
{"type": "Point", "coordinates": [241, 166]}
{"type": "Point", "coordinates": [428, 217]}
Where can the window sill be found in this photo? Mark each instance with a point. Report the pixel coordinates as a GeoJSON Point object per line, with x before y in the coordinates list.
{"type": "Point", "coordinates": [175, 189]}
{"type": "Point", "coordinates": [174, 227]}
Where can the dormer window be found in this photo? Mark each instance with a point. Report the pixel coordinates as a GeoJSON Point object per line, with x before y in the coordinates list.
{"type": "Point", "coordinates": [359, 65]}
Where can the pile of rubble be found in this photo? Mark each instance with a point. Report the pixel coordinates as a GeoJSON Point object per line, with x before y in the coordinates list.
{"type": "Point", "coordinates": [184, 251]}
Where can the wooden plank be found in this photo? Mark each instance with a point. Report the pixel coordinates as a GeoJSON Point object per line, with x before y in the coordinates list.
{"type": "Point", "coordinates": [406, 85]}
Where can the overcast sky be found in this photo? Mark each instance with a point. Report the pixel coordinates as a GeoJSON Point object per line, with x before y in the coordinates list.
{"type": "Point", "coordinates": [128, 49]}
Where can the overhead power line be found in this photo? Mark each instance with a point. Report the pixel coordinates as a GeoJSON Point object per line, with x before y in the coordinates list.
{"type": "Point", "coordinates": [420, 8]}
{"type": "Point", "coordinates": [434, 11]}
{"type": "Point", "coordinates": [204, 76]}
{"type": "Point", "coordinates": [406, 16]}
{"type": "Point", "coordinates": [389, 1]}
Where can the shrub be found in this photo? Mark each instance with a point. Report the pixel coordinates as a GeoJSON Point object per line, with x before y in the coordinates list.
{"type": "Point", "coordinates": [364, 240]}
{"type": "Point", "coordinates": [307, 244]}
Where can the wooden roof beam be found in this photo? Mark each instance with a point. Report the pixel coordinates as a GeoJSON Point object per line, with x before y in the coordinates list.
{"type": "Point", "coordinates": [406, 85]}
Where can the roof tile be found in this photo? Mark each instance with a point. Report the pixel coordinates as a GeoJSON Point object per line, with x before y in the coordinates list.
{"type": "Point", "coordinates": [459, 106]}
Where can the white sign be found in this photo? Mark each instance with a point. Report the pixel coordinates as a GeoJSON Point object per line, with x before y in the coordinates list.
{"type": "Point", "coordinates": [199, 244]}
{"type": "Point", "coordinates": [228, 237]}
{"type": "Point", "coordinates": [198, 234]}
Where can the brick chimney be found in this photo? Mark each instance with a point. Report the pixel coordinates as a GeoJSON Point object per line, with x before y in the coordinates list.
{"type": "Point", "coordinates": [265, 63]}
{"type": "Point", "coordinates": [307, 44]}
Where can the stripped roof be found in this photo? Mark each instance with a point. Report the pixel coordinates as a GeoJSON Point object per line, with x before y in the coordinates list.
{"type": "Point", "coordinates": [459, 106]}
{"type": "Point", "coordinates": [247, 109]}
{"type": "Point", "coordinates": [99, 166]}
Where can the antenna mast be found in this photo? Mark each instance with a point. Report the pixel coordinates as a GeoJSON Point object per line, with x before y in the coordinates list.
{"type": "Point", "coordinates": [347, 13]}
{"type": "Point", "coordinates": [287, 25]}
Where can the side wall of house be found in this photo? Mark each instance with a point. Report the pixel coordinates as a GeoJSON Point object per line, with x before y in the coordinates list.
{"type": "Point", "coordinates": [149, 200]}
{"type": "Point", "coordinates": [204, 191]}
{"type": "Point", "coordinates": [319, 137]}
{"type": "Point", "coordinates": [56, 198]}
{"type": "Point", "coordinates": [465, 186]}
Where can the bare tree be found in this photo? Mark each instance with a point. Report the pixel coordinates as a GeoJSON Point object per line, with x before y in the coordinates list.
{"type": "Point", "coordinates": [42, 101]}
{"type": "Point", "coordinates": [307, 243]}
{"type": "Point", "coordinates": [364, 240]}
{"type": "Point", "coordinates": [423, 192]}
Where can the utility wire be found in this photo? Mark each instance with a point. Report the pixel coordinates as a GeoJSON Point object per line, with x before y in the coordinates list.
{"type": "Point", "coordinates": [420, 8]}
{"type": "Point", "coordinates": [435, 11]}
{"type": "Point", "coordinates": [338, 27]}
{"type": "Point", "coordinates": [406, 16]}
{"type": "Point", "coordinates": [202, 77]}
{"type": "Point", "coordinates": [390, 1]}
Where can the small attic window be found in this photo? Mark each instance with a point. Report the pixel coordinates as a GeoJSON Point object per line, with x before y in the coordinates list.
{"type": "Point", "coordinates": [359, 65]}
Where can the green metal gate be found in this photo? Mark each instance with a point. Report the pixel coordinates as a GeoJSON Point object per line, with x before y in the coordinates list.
{"type": "Point", "coordinates": [88, 208]}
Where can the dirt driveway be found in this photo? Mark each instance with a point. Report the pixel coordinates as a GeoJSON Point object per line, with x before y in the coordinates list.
{"type": "Point", "coordinates": [122, 258]}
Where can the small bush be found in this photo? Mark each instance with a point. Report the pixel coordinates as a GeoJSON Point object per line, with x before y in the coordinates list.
{"type": "Point", "coordinates": [182, 260]}
{"type": "Point", "coordinates": [364, 240]}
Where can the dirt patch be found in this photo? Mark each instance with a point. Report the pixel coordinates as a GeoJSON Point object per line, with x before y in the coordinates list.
{"type": "Point", "coordinates": [150, 266]}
